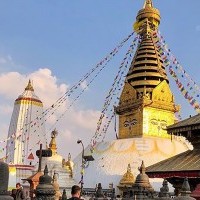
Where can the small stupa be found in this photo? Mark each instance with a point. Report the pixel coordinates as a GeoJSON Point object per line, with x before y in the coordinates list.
{"type": "Point", "coordinates": [45, 188]}
{"type": "Point", "coordinates": [185, 191]}
{"type": "Point", "coordinates": [142, 180]}
{"type": "Point", "coordinates": [57, 164]}
{"type": "Point", "coordinates": [164, 191]}
{"type": "Point", "coordinates": [127, 180]}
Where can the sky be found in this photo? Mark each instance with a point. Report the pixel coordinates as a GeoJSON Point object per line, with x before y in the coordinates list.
{"type": "Point", "coordinates": [56, 42]}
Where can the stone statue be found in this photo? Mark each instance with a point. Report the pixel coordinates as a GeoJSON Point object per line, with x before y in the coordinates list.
{"type": "Point", "coordinates": [99, 192]}
{"type": "Point", "coordinates": [64, 196]}
{"type": "Point", "coordinates": [56, 186]}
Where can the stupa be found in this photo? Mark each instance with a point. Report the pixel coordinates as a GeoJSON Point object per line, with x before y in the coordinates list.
{"type": "Point", "coordinates": [57, 164]}
{"type": "Point", "coordinates": [164, 191]}
{"type": "Point", "coordinates": [45, 188]}
{"type": "Point", "coordinates": [145, 108]}
{"type": "Point", "coordinates": [127, 180]}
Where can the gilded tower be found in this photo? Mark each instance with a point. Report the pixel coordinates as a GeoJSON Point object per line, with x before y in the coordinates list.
{"type": "Point", "coordinates": [146, 104]}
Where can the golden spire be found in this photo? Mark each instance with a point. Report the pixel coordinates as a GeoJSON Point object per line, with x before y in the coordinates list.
{"type": "Point", "coordinates": [146, 92]}
{"type": "Point", "coordinates": [29, 86]}
{"type": "Point", "coordinates": [148, 15]}
{"type": "Point", "coordinates": [128, 178]}
{"type": "Point", "coordinates": [52, 144]}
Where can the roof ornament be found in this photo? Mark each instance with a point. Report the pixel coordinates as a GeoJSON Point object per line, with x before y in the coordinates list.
{"type": "Point", "coordinates": [29, 86]}
{"type": "Point", "coordinates": [54, 133]}
{"type": "Point", "coordinates": [52, 144]}
{"type": "Point", "coordinates": [69, 157]}
{"type": "Point", "coordinates": [148, 3]}
{"type": "Point", "coordinates": [142, 168]}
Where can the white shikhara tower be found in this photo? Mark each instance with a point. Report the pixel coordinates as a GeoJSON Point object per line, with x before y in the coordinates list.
{"type": "Point", "coordinates": [26, 130]}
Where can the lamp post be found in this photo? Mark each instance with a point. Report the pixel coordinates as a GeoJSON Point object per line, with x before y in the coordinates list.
{"type": "Point", "coordinates": [82, 164]}
{"type": "Point", "coordinates": [84, 159]}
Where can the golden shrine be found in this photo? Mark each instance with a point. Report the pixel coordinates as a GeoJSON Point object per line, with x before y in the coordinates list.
{"type": "Point", "coordinates": [146, 104]}
{"type": "Point", "coordinates": [128, 178]}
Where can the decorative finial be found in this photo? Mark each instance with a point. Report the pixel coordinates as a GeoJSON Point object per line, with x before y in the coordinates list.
{"type": "Point", "coordinates": [54, 133]}
{"type": "Point", "coordinates": [29, 86]}
{"type": "Point", "coordinates": [69, 157]}
{"type": "Point", "coordinates": [142, 168]}
{"type": "Point", "coordinates": [52, 144]}
{"type": "Point", "coordinates": [147, 16]}
{"type": "Point", "coordinates": [46, 170]}
{"type": "Point", "coordinates": [55, 176]}
{"type": "Point", "coordinates": [129, 168]}
{"type": "Point", "coordinates": [148, 3]}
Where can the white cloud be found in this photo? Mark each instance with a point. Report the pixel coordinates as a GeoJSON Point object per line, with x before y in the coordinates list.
{"type": "Point", "coordinates": [75, 123]}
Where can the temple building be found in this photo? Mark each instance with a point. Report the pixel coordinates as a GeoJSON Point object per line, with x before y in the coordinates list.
{"type": "Point", "coordinates": [25, 126]}
{"type": "Point", "coordinates": [145, 109]}
{"type": "Point", "coordinates": [186, 164]}
{"type": "Point", "coordinates": [26, 132]}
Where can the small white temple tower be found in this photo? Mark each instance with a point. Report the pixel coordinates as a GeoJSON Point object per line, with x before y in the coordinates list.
{"type": "Point", "coordinates": [26, 130]}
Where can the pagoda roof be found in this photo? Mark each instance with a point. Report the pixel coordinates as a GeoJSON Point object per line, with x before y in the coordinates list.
{"type": "Point", "coordinates": [188, 161]}
{"type": "Point", "coordinates": [191, 123]}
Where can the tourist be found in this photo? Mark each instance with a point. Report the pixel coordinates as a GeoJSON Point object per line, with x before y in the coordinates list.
{"type": "Point", "coordinates": [19, 193]}
{"type": "Point", "coordinates": [75, 192]}
{"type": "Point", "coordinates": [13, 193]}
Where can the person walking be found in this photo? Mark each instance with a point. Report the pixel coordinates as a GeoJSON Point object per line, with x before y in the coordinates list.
{"type": "Point", "coordinates": [75, 192]}
{"type": "Point", "coordinates": [19, 193]}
